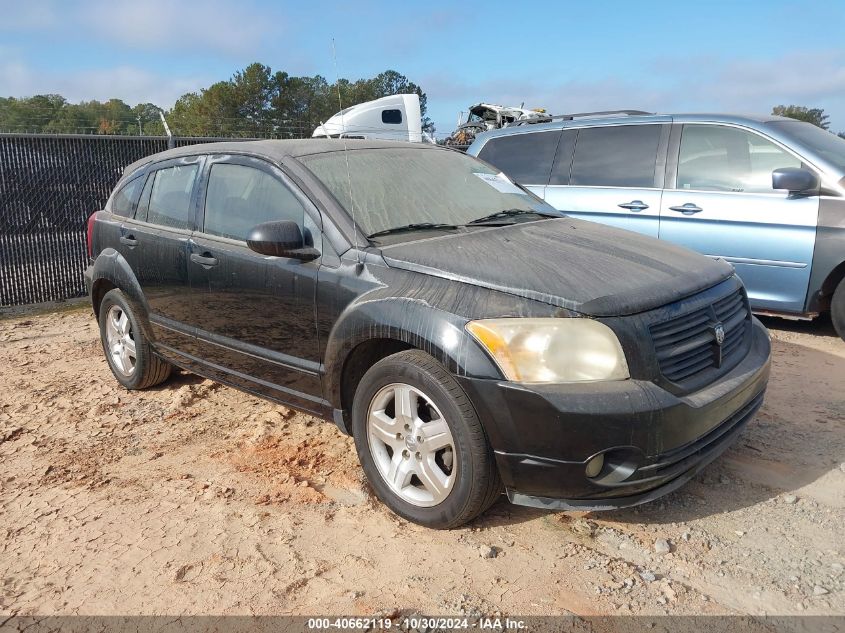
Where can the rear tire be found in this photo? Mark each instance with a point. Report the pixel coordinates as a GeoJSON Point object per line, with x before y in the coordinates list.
{"type": "Point", "coordinates": [127, 350]}
{"type": "Point", "coordinates": [837, 309]}
{"type": "Point", "coordinates": [421, 444]}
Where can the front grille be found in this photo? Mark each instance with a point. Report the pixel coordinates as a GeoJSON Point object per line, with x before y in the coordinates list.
{"type": "Point", "coordinates": [688, 345]}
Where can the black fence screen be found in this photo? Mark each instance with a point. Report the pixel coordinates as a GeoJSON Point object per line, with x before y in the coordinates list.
{"type": "Point", "coordinates": [49, 185]}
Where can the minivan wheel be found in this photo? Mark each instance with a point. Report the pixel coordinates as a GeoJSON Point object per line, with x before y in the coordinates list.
{"type": "Point", "coordinates": [421, 444]}
{"type": "Point", "coordinates": [837, 309]}
{"type": "Point", "coordinates": [127, 351]}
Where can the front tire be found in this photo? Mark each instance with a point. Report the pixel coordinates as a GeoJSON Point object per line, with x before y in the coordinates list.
{"type": "Point", "coordinates": [127, 350]}
{"type": "Point", "coordinates": [837, 309]}
{"type": "Point", "coordinates": [421, 444]}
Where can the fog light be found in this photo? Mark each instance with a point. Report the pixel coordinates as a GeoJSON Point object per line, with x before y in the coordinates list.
{"type": "Point", "coordinates": [595, 465]}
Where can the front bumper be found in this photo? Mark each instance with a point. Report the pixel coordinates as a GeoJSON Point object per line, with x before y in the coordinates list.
{"type": "Point", "coordinates": [544, 435]}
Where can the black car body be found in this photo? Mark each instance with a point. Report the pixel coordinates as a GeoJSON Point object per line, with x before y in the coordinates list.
{"type": "Point", "coordinates": [304, 330]}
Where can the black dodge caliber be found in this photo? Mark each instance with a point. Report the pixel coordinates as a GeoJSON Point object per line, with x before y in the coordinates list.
{"type": "Point", "coordinates": [468, 336]}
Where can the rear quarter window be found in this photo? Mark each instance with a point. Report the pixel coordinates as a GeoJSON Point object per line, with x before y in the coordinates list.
{"type": "Point", "coordinates": [124, 200]}
{"type": "Point", "coordinates": [525, 158]}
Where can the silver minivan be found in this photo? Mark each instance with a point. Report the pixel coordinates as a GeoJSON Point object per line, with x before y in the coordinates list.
{"type": "Point", "coordinates": [765, 193]}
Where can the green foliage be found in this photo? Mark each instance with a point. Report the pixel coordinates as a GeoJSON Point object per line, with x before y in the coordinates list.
{"type": "Point", "coordinates": [816, 116]}
{"type": "Point", "coordinates": [256, 101]}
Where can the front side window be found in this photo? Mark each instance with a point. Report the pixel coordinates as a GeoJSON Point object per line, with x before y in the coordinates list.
{"type": "Point", "coordinates": [400, 186]}
{"type": "Point", "coordinates": [170, 199]}
{"type": "Point", "coordinates": [240, 197]}
{"type": "Point", "coordinates": [721, 158]}
{"type": "Point", "coordinates": [125, 199]}
{"type": "Point", "coordinates": [616, 156]}
{"type": "Point", "coordinates": [526, 158]}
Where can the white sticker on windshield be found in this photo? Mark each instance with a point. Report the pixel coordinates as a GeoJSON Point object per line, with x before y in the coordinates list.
{"type": "Point", "coordinates": [500, 182]}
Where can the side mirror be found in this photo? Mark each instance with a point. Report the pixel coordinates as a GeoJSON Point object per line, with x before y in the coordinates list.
{"type": "Point", "coordinates": [795, 180]}
{"type": "Point", "coordinates": [280, 239]}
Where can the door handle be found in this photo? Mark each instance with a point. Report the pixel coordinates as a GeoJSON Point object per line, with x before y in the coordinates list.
{"type": "Point", "coordinates": [206, 259]}
{"type": "Point", "coordinates": [129, 240]}
{"type": "Point", "coordinates": [634, 205]}
{"type": "Point", "coordinates": [687, 209]}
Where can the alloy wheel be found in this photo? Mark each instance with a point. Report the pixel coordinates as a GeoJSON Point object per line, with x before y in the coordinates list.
{"type": "Point", "coordinates": [411, 445]}
{"type": "Point", "coordinates": [119, 340]}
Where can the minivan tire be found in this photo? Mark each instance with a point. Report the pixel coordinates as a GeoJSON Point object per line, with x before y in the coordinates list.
{"type": "Point", "coordinates": [148, 369]}
{"type": "Point", "coordinates": [476, 484]}
{"type": "Point", "coordinates": [837, 309]}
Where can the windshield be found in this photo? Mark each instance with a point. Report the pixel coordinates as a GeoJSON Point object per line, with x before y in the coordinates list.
{"type": "Point", "coordinates": [395, 187]}
{"type": "Point", "coordinates": [824, 143]}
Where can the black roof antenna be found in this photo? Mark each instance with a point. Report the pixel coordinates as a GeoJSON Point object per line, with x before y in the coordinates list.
{"type": "Point", "coordinates": [346, 156]}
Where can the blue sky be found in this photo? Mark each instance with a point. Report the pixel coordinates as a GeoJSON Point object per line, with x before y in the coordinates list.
{"type": "Point", "coordinates": [740, 56]}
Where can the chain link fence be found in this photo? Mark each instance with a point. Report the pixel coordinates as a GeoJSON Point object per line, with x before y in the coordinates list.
{"type": "Point", "coordinates": [49, 185]}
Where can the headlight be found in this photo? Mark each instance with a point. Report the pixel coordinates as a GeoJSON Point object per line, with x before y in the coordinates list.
{"type": "Point", "coordinates": [552, 350]}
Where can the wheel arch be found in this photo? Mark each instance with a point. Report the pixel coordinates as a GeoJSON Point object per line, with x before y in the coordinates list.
{"type": "Point", "coordinates": [373, 330]}
{"type": "Point", "coordinates": [112, 271]}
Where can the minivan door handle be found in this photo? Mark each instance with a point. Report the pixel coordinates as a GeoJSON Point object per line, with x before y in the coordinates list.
{"type": "Point", "coordinates": [634, 205]}
{"type": "Point", "coordinates": [687, 209]}
{"type": "Point", "coordinates": [206, 259]}
{"type": "Point", "coordinates": [129, 240]}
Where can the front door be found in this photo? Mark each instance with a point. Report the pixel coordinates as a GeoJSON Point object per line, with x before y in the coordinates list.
{"type": "Point", "coordinates": [155, 244]}
{"type": "Point", "coordinates": [722, 204]}
{"type": "Point", "coordinates": [613, 176]}
{"type": "Point", "coordinates": [254, 314]}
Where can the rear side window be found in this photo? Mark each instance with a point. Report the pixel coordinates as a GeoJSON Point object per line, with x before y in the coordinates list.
{"type": "Point", "coordinates": [170, 199]}
{"type": "Point", "coordinates": [721, 158]}
{"type": "Point", "coordinates": [126, 198]}
{"type": "Point", "coordinates": [526, 158]}
{"type": "Point", "coordinates": [391, 116]}
{"type": "Point", "coordinates": [616, 156]}
{"type": "Point", "coordinates": [239, 197]}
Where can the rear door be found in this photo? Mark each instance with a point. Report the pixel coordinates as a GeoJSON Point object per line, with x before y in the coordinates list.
{"type": "Point", "coordinates": [611, 174]}
{"type": "Point", "coordinates": [154, 241]}
{"type": "Point", "coordinates": [254, 314]}
{"type": "Point", "coordinates": [719, 201]}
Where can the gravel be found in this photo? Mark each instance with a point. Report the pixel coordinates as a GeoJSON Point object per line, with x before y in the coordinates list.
{"type": "Point", "coordinates": [662, 546]}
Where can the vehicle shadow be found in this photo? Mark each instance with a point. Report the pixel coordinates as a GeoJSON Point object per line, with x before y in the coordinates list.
{"type": "Point", "coordinates": [794, 445]}
{"type": "Point", "coordinates": [820, 326]}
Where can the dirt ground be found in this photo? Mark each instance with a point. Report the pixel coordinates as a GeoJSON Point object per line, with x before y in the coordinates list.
{"type": "Point", "coordinates": [193, 498]}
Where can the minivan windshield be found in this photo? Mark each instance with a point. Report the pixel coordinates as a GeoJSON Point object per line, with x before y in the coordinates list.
{"type": "Point", "coordinates": [397, 187]}
{"type": "Point", "coordinates": [824, 143]}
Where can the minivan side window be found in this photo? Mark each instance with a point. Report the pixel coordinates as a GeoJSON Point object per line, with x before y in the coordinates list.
{"type": "Point", "coordinates": [170, 199]}
{"type": "Point", "coordinates": [722, 158]}
{"type": "Point", "coordinates": [127, 197]}
{"type": "Point", "coordinates": [616, 156]}
{"type": "Point", "coordinates": [525, 158]}
{"type": "Point", "coordinates": [240, 197]}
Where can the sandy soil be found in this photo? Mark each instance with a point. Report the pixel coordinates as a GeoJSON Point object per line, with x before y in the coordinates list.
{"type": "Point", "coordinates": [193, 498]}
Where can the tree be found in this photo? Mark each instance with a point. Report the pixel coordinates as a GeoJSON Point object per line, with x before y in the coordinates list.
{"type": "Point", "coordinates": [255, 101]}
{"type": "Point", "coordinates": [841, 135]}
{"type": "Point", "coordinates": [816, 116]}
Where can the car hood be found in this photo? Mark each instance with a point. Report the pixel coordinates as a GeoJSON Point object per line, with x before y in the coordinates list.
{"type": "Point", "coordinates": [582, 266]}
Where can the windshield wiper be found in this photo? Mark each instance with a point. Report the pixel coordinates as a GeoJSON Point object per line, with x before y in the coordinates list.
{"type": "Point", "coordinates": [416, 226]}
{"type": "Point", "coordinates": [510, 213]}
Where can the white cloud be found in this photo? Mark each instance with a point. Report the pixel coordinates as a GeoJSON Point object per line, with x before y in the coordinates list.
{"type": "Point", "coordinates": [698, 84]}
{"type": "Point", "coordinates": [132, 85]}
{"type": "Point", "coordinates": [211, 26]}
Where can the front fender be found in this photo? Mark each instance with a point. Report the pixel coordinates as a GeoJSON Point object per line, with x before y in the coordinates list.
{"type": "Point", "coordinates": [410, 321]}
{"type": "Point", "coordinates": [110, 266]}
